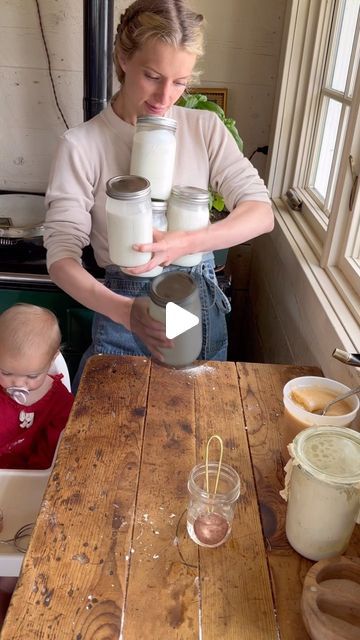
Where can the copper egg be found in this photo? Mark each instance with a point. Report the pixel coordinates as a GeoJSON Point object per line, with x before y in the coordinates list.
{"type": "Point", "coordinates": [211, 528]}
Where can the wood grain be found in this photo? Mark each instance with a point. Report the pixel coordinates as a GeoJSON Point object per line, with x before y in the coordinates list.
{"type": "Point", "coordinates": [160, 582]}
{"type": "Point", "coordinates": [235, 587]}
{"type": "Point", "coordinates": [261, 388]}
{"type": "Point", "coordinates": [110, 556]}
{"type": "Point", "coordinates": [74, 575]}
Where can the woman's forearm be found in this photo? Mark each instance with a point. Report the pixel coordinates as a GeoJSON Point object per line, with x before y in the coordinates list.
{"type": "Point", "coordinates": [70, 276]}
{"type": "Point", "coordinates": [248, 220]}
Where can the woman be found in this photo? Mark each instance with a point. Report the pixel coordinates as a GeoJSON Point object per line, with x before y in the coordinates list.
{"type": "Point", "coordinates": [157, 45]}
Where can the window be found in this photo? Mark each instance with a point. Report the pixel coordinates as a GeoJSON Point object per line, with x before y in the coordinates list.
{"type": "Point", "coordinates": [316, 148]}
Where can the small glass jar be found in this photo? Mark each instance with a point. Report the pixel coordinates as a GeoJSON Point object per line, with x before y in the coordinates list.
{"type": "Point", "coordinates": [153, 153]}
{"type": "Point", "coordinates": [129, 219]}
{"type": "Point", "coordinates": [188, 210]}
{"type": "Point", "coordinates": [322, 489]}
{"type": "Point", "coordinates": [159, 221]}
{"type": "Point", "coordinates": [209, 515]}
{"type": "Point", "coordinates": [181, 289]}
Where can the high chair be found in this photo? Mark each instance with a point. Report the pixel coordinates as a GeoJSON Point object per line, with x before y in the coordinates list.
{"type": "Point", "coordinates": [21, 494]}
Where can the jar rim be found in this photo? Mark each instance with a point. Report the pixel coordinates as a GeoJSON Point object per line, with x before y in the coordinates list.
{"type": "Point", "coordinates": [227, 471]}
{"type": "Point", "coordinates": [189, 193]}
{"type": "Point", "coordinates": [173, 286]}
{"type": "Point", "coordinates": [329, 465]}
{"type": "Point", "coordinates": [159, 206]}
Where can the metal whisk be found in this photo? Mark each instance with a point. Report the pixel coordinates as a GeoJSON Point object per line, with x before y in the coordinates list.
{"type": "Point", "coordinates": [18, 540]}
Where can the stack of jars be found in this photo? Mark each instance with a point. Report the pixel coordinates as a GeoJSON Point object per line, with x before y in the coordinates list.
{"type": "Point", "coordinates": [146, 199]}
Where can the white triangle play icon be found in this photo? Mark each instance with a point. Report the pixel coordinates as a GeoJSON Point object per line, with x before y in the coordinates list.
{"type": "Point", "coordinates": [178, 320]}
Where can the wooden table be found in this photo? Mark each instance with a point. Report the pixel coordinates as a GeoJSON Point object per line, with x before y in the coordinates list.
{"type": "Point", "coordinates": [110, 557]}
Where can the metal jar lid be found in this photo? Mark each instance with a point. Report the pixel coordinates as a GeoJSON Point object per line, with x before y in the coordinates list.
{"type": "Point", "coordinates": [173, 286]}
{"type": "Point", "coordinates": [330, 454]}
{"type": "Point", "coordinates": [158, 121]}
{"type": "Point", "coordinates": [127, 187]}
{"type": "Point", "coordinates": [190, 194]}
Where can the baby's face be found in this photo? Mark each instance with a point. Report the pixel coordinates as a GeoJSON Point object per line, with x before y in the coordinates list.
{"type": "Point", "coordinates": [26, 372]}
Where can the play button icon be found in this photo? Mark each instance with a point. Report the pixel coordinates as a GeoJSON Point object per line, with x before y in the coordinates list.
{"type": "Point", "coordinates": [178, 320]}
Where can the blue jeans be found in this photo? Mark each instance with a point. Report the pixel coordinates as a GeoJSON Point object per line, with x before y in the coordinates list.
{"type": "Point", "coordinates": [108, 337]}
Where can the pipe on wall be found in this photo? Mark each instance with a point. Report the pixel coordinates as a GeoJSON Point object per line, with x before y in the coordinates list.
{"type": "Point", "coordinates": [98, 25]}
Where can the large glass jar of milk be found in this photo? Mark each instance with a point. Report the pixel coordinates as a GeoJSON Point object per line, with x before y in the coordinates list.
{"type": "Point", "coordinates": [159, 221]}
{"type": "Point", "coordinates": [179, 288]}
{"type": "Point", "coordinates": [322, 489]}
{"type": "Point", "coordinates": [153, 153]}
{"type": "Point", "coordinates": [129, 219]}
{"type": "Point", "coordinates": [188, 209]}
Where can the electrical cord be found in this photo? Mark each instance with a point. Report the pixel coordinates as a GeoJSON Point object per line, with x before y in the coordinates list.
{"type": "Point", "coordinates": [49, 64]}
{"type": "Point", "coordinates": [264, 150]}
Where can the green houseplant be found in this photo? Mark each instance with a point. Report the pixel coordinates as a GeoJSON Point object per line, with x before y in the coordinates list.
{"type": "Point", "coordinates": [200, 101]}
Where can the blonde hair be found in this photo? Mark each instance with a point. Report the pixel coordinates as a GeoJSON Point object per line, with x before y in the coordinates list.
{"type": "Point", "coordinates": [169, 21]}
{"type": "Point", "coordinates": [27, 327]}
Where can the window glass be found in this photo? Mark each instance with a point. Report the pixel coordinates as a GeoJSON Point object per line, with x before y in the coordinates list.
{"type": "Point", "coordinates": [344, 34]}
{"type": "Point", "coordinates": [328, 132]}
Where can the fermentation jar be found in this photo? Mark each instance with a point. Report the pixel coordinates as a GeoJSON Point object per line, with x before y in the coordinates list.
{"type": "Point", "coordinates": [181, 289]}
{"type": "Point", "coordinates": [188, 209]}
{"type": "Point", "coordinates": [210, 515]}
{"type": "Point", "coordinates": [159, 221]}
{"type": "Point", "coordinates": [322, 489]}
{"type": "Point", "coordinates": [153, 153]}
{"type": "Point", "coordinates": [129, 219]}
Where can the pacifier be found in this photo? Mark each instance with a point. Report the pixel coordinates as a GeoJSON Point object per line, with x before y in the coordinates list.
{"type": "Point", "coordinates": [19, 394]}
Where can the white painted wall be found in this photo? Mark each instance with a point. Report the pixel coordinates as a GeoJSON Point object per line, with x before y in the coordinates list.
{"type": "Point", "coordinates": [243, 47]}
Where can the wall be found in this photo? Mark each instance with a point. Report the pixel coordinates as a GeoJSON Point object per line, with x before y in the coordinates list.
{"type": "Point", "coordinates": [243, 46]}
{"type": "Point", "coordinates": [292, 319]}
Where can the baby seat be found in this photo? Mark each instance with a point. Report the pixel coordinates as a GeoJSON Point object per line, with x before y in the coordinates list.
{"type": "Point", "coordinates": [21, 494]}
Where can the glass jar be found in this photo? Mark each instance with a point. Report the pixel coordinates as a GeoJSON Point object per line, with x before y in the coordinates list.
{"type": "Point", "coordinates": [153, 153]}
{"type": "Point", "coordinates": [210, 515]}
{"type": "Point", "coordinates": [188, 209]}
{"type": "Point", "coordinates": [181, 289]}
{"type": "Point", "coordinates": [159, 221]}
{"type": "Point", "coordinates": [322, 489]}
{"type": "Point", "coordinates": [129, 219]}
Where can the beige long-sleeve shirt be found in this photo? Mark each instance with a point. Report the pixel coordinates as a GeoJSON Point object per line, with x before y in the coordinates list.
{"type": "Point", "coordinates": [94, 151]}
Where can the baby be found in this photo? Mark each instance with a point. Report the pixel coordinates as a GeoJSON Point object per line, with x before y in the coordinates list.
{"type": "Point", "coordinates": [34, 405]}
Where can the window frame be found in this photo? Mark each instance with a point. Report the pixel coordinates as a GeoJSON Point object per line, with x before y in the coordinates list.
{"type": "Point", "coordinates": [303, 60]}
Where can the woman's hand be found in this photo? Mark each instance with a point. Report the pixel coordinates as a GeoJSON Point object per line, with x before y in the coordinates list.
{"type": "Point", "coordinates": [132, 313]}
{"type": "Point", "coordinates": [151, 332]}
{"type": "Point", "coordinates": [167, 247]}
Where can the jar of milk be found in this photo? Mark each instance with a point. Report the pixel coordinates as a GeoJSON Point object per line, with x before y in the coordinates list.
{"type": "Point", "coordinates": [129, 219]}
{"type": "Point", "coordinates": [188, 209]}
{"type": "Point", "coordinates": [153, 153]}
{"type": "Point", "coordinates": [179, 288]}
{"type": "Point", "coordinates": [159, 221]}
{"type": "Point", "coordinates": [322, 489]}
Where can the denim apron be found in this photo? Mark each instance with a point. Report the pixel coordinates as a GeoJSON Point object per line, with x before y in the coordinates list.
{"type": "Point", "coordinates": [108, 337]}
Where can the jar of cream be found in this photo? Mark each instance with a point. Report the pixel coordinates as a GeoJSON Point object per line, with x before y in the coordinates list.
{"type": "Point", "coordinates": [322, 489]}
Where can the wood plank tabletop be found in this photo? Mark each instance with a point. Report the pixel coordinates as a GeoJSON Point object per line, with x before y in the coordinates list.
{"type": "Point", "coordinates": [110, 556]}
